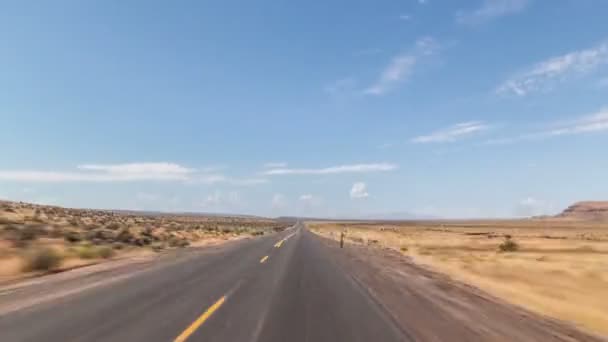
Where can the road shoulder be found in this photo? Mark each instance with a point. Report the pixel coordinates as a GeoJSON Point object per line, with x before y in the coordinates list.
{"type": "Point", "coordinates": [432, 306]}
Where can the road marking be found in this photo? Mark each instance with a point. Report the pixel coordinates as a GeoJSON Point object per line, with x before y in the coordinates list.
{"type": "Point", "coordinates": [280, 243]}
{"type": "Point", "coordinates": [263, 260]}
{"type": "Point", "coordinates": [199, 321]}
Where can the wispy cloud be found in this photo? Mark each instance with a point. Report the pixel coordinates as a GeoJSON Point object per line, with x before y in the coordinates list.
{"type": "Point", "coordinates": [354, 168]}
{"type": "Point", "coordinates": [531, 206]}
{"type": "Point", "coordinates": [359, 191]}
{"type": "Point", "coordinates": [491, 9]}
{"type": "Point", "coordinates": [129, 172]}
{"type": "Point", "coordinates": [596, 122]}
{"type": "Point", "coordinates": [272, 165]}
{"type": "Point", "coordinates": [453, 133]}
{"type": "Point", "coordinates": [401, 66]}
{"type": "Point", "coordinates": [278, 201]}
{"type": "Point", "coordinates": [545, 74]}
{"type": "Point", "coordinates": [219, 200]}
{"type": "Point", "coordinates": [405, 17]}
{"type": "Point", "coordinates": [587, 124]}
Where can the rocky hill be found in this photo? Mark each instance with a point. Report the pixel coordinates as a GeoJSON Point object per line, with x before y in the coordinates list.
{"type": "Point", "coordinates": [594, 211]}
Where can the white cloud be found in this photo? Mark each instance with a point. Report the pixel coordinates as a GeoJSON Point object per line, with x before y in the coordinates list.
{"type": "Point", "coordinates": [306, 197]}
{"type": "Point", "coordinates": [491, 9]}
{"type": "Point", "coordinates": [545, 74]}
{"type": "Point", "coordinates": [278, 201]}
{"type": "Point", "coordinates": [453, 133]}
{"type": "Point", "coordinates": [221, 200]}
{"type": "Point", "coordinates": [533, 207]}
{"type": "Point", "coordinates": [128, 172]}
{"type": "Point", "coordinates": [593, 123]}
{"type": "Point", "coordinates": [588, 124]}
{"type": "Point", "coordinates": [272, 165]}
{"type": "Point", "coordinates": [354, 168]}
{"type": "Point", "coordinates": [359, 190]}
{"type": "Point", "coordinates": [399, 68]}
{"type": "Point", "coordinates": [405, 17]}
{"type": "Point", "coordinates": [402, 66]}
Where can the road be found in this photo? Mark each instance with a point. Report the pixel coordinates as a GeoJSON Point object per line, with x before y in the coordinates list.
{"type": "Point", "coordinates": [277, 288]}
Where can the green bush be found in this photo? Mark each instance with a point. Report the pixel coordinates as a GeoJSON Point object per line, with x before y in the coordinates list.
{"type": "Point", "coordinates": [43, 259]}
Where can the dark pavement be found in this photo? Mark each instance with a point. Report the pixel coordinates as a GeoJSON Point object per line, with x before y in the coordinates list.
{"type": "Point", "coordinates": [297, 294]}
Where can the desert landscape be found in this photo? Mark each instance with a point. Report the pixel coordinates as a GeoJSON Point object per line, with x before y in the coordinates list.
{"type": "Point", "coordinates": [554, 266]}
{"type": "Point", "coordinates": [38, 239]}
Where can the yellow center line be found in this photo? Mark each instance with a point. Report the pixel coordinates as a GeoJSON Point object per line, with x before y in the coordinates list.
{"type": "Point", "coordinates": [199, 321]}
{"type": "Point", "coordinates": [263, 260]}
{"type": "Point", "coordinates": [278, 244]}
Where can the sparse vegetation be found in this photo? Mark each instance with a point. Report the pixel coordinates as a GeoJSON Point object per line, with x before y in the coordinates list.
{"type": "Point", "coordinates": [551, 266]}
{"type": "Point", "coordinates": [508, 245]}
{"type": "Point", "coordinates": [38, 234]}
{"type": "Point", "coordinates": [42, 259]}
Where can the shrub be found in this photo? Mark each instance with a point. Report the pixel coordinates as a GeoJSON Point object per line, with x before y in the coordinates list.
{"type": "Point", "coordinates": [87, 252]}
{"type": "Point", "coordinates": [403, 249]}
{"type": "Point", "coordinates": [105, 252]}
{"type": "Point", "coordinates": [43, 259]}
{"type": "Point", "coordinates": [118, 245]}
{"type": "Point", "coordinates": [72, 237]}
{"type": "Point", "coordinates": [508, 246]}
{"type": "Point", "coordinates": [177, 242]}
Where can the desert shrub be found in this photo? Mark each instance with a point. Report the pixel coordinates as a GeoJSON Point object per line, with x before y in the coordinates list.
{"type": "Point", "coordinates": [30, 232]}
{"type": "Point", "coordinates": [87, 252]}
{"type": "Point", "coordinates": [72, 236]}
{"type": "Point", "coordinates": [22, 236]}
{"type": "Point", "coordinates": [113, 226]}
{"type": "Point", "coordinates": [158, 246]}
{"type": "Point", "coordinates": [403, 249]}
{"type": "Point", "coordinates": [118, 245]}
{"type": "Point", "coordinates": [43, 259]}
{"type": "Point", "coordinates": [177, 242]}
{"type": "Point", "coordinates": [105, 252]}
{"type": "Point", "coordinates": [124, 236]}
{"type": "Point", "coordinates": [508, 246]}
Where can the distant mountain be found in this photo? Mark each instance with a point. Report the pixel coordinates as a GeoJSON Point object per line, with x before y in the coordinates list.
{"type": "Point", "coordinates": [590, 211]}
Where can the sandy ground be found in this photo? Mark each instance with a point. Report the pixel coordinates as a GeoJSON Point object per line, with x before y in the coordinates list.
{"type": "Point", "coordinates": [558, 271]}
{"type": "Point", "coordinates": [431, 306]}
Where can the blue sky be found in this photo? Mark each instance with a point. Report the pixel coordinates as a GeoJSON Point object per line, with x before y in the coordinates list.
{"type": "Point", "coordinates": [493, 108]}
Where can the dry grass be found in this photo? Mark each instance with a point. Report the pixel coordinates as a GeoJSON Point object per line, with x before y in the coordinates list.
{"type": "Point", "coordinates": [558, 268]}
{"type": "Point", "coordinates": [88, 236]}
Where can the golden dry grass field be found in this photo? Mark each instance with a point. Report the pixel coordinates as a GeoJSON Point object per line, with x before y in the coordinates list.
{"type": "Point", "coordinates": [558, 268]}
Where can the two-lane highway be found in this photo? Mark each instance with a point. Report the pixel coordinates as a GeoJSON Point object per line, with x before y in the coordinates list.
{"type": "Point", "coordinates": [277, 288]}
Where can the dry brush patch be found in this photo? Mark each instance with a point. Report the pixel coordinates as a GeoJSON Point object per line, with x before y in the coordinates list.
{"type": "Point", "coordinates": [553, 267]}
{"type": "Point", "coordinates": [36, 238]}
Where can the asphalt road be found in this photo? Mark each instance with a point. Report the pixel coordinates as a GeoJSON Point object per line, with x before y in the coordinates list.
{"type": "Point", "coordinates": [277, 288]}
